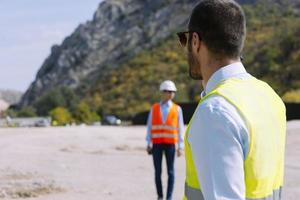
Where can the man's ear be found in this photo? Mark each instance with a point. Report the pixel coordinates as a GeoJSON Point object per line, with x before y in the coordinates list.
{"type": "Point", "coordinates": [196, 43]}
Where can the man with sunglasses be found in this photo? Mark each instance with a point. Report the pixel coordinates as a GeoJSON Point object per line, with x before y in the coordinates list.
{"type": "Point", "coordinates": [235, 141]}
{"type": "Point", "coordinates": [165, 129]}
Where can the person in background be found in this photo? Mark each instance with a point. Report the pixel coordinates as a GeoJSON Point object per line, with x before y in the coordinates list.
{"type": "Point", "coordinates": [165, 129]}
{"type": "Point", "coordinates": [235, 140]}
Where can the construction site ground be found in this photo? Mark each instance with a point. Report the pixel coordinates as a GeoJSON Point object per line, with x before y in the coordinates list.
{"type": "Point", "coordinates": [99, 163]}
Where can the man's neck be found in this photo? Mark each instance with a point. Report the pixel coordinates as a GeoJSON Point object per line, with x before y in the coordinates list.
{"type": "Point", "coordinates": [214, 65]}
{"type": "Point", "coordinates": [165, 101]}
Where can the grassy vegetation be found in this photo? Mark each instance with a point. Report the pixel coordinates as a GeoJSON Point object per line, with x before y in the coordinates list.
{"type": "Point", "coordinates": [272, 50]}
{"type": "Point", "coordinates": [272, 53]}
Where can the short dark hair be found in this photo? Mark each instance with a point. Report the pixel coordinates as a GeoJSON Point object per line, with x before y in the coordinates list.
{"type": "Point", "coordinates": [221, 25]}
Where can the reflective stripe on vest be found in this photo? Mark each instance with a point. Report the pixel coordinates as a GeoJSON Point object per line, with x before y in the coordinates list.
{"type": "Point", "coordinates": [196, 194]}
{"type": "Point", "coordinates": [165, 127]}
{"type": "Point", "coordinates": [163, 135]}
{"type": "Point", "coordinates": [164, 132]}
{"type": "Point", "coordinates": [192, 193]}
{"type": "Point", "coordinates": [264, 114]}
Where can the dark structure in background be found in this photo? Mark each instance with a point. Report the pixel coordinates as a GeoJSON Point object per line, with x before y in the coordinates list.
{"type": "Point", "coordinates": [292, 112]}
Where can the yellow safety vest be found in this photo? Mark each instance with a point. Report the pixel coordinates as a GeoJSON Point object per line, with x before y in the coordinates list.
{"type": "Point", "coordinates": [264, 114]}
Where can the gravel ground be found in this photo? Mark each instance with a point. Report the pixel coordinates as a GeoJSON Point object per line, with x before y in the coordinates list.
{"type": "Point", "coordinates": [98, 163]}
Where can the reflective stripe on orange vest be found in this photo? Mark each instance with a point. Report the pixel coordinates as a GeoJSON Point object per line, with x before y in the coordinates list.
{"type": "Point", "coordinates": [164, 133]}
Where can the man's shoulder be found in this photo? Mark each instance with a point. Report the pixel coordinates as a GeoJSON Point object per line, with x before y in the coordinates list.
{"type": "Point", "coordinates": [216, 106]}
{"type": "Point", "coordinates": [216, 110]}
{"type": "Point", "coordinates": [215, 102]}
{"type": "Point", "coordinates": [155, 104]}
{"type": "Point", "coordinates": [177, 106]}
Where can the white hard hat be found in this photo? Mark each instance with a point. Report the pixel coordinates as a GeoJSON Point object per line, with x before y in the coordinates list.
{"type": "Point", "coordinates": [168, 85]}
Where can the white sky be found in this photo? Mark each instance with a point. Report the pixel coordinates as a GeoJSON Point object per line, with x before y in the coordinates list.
{"type": "Point", "coordinates": [28, 29]}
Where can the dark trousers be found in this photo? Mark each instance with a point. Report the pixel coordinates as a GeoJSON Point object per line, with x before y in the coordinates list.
{"type": "Point", "coordinates": [169, 151]}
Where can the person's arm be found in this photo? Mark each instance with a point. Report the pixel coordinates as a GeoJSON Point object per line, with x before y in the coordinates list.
{"type": "Point", "coordinates": [149, 126]}
{"type": "Point", "coordinates": [180, 129]}
{"type": "Point", "coordinates": [219, 142]}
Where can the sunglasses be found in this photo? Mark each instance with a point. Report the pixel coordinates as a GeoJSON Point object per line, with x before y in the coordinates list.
{"type": "Point", "coordinates": [167, 91]}
{"type": "Point", "coordinates": [183, 37]}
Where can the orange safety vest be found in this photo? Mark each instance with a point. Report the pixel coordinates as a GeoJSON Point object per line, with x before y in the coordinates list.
{"type": "Point", "coordinates": [164, 133]}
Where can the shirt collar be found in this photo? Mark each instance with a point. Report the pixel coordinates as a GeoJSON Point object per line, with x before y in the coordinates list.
{"type": "Point", "coordinates": [226, 72]}
{"type": "Point", "coordinates": [168, 103]}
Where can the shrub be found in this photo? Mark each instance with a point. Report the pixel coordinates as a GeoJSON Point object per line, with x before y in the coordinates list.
{"type": "Point", "coordinates": [27, 111]}
{"type": "Point", "coordinates": [60, 116]}
{"type": "Point", "coordinates": [83, 113]}
{"type": "Point", "coordinates": [292, 96]}
{"type": "Point", "coordinates": [57, 97]}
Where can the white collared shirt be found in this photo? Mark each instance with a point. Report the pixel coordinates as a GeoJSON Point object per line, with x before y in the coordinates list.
{"type": "Point", "coordinates": [219, 141]}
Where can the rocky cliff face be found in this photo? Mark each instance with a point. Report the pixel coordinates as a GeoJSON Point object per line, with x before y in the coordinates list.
{"type": "Point", "coordinates": [119, 30]}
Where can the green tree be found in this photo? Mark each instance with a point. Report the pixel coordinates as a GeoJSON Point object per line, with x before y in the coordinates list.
{"type": "Point", "coordinates": [58, 97]}
{"type": "Point", "coordinates": [26, 111]}
{"type": "Point", "coordinates": [292, 97]}
{"type": "Point", "coordinates": [61, 116]}
{"type": "Point", "coordinates": [94, 102]}
{"type": "Point", "coordinates": [84, 114]}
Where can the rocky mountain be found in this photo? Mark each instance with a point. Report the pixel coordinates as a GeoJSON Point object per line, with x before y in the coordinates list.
{"type": "Point", "coordinates": [119, 30]}
{"type": "Point", "coordinates": [115, 62]}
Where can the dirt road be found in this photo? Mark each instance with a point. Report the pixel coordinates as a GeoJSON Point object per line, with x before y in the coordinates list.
{"type": "Point", "coordinates": [97, 163]}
